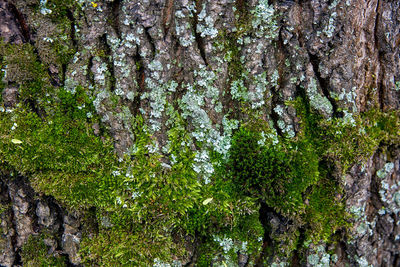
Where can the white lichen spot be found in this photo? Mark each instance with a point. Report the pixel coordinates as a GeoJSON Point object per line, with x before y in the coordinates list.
{"type": "Point", "coordinates": [225, 243]}
{"type": "Point", "coordinates": [264, 21]}
{"type": "Point", "coordinates": [43, 9]}
{"type": "Point", "coordinates": [257, 96]}
{"type": "Point", "coordinates": [382, 173]}
{"type": "Point", "coordinates": [317, 101]}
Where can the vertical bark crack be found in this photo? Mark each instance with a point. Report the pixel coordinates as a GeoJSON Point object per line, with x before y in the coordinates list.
{"type": "Point", "coordinates": [90, 74]}
{"type": "Point", "coordinates": [296, 258]}
{"type": "Point", "coordinates": [140, 79]}
{"type": "Point", "coordinates": [21, 21]}
{"type": "Point", "coordinates": [324, 84]}
{"type": "Point", "coordinates": [267, 241]}
{"type": "Point", "coordinates": [71, 18]}
{"type": "Point", "coordinates": [63, 74]}
{"type": "Point", "coordinates": [27, 38]}
{"type": "Point", "coordinates": [9, 215]}
{"type": "Point", "coordinates": [280, 55]}
{"type": "Point", "coordinates": [396, 260]}
{"type": "Point", "coordinates": [115, 10]}
{"type": "Point", "coordinates": [379, 75]}
{"type": "Point", "coordinates": [199, 40]}
{"type": "Point", "coordinates": [150, 40]}
{"type": "Point", "coordinates": [110, 64]}
{"type": "Point", "coordinates": [167, 16]}
{"type": "Point", "coordinates": [274, 116]}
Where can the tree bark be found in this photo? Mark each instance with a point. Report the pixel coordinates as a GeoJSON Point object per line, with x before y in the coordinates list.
{"type": "Point", "coordinates": [205, 59]}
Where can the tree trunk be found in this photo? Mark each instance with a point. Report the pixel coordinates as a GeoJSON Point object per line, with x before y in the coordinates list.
{"type": "Point", "coordinates": [209, 68]}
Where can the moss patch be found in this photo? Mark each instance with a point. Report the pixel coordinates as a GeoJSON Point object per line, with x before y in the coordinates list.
{"type": "Point", "coordinates": [300, 178]}
{"type": "Point", "coordinates": [35, 253]}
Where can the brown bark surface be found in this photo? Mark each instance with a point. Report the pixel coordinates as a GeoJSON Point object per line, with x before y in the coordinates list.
{"type": "Point", "coordinates": [344, 55]}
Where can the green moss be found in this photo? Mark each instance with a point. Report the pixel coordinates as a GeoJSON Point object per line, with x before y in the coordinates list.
{"type": "Point", "coordinates": [300, 178]}
{"type": "Point", "coordinates": [21, 66]}
{"type": "Point", "coordinates": [325, 211]}
{"type": "Point", "coordinates": [35, 253]}
{"type": "Point", "coordinates": [116, 247]}
{"type": "Point", "coordinates": [21, 63]}
{"type": "Point", "coordinates": [60, 49]}
{"type": "Point", "coordinates": [63, 158]}
{"type": "Point", "coordinates": [4, 207]}
{"type": "Point", "coordinates": [279, 174]}
{"type": "Point", "coordinates": [351, 139]}
{"type": "Point", "coordinates": [145, 203]}
{"type": "Point", "coordinates": [61, 10]}
{"type": "Point", "coordinates": [152, 202]}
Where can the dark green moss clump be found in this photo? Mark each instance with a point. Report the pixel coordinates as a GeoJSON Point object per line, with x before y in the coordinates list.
{"type": "Point", "coordinates": [279, 174]}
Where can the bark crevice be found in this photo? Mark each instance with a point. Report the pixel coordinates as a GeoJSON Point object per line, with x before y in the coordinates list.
{"type": "Point", "coordinates": [380, 55]}
{"type": "Point", "coordinates": [197, 36]}
{"type": "Point", "coordinates": [324, 84]}
{"type": "Point", "coordinates": [109, 62]}
{"type": "Point", "coordinates": [21, 22]}
{"type": "Point", "coordinates": [167, 16]}
{"type": "Point", "coordinates": [140, 80]}
{"type": "Point", "coordinates": [114, 16]}
{"type": "Point", "coordinates": [150, 41]}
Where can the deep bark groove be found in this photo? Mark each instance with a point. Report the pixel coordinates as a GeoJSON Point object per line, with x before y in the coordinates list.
{"type": "Point", "coordinates": [199, 40]}
{"type": "Point", "coordinates": [324, 84]}
{"type": "Point", "coordinates": [115, 10]}
{"type": "Point", "coordinates": [21, 21]}
{"type": "Point", "coordinates": [167, 16]}
{"type": "Point", "coordinates": [381, 67]}
{"type": "Point", "coordinates": [267, 241]}
{"type": "Point", "coordinates": [140, 80]}
{"type": "Point", "coordinates": [151, 42]}
{"type": "Point", "coordinates": [71, 18]}
{"type": "Point", "coordinates": [110, 64]}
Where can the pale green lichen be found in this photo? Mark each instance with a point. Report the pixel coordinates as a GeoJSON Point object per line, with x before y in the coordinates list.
{"type": "Point", "coordinates": [348, 97]}
{"type": "Point", "coordinates": [264, 20]}
{"type": "Point", "coordinates": [362, 262]}
{"type": "Point", "coordinates": [238, 90]}
{"type": "Point", "coordinates": [205, 26]}
{"type": "Point", "coordinates": [397, 86]}
{"type": "Point", "coordinates": [159, 263]}
{"type": "Point", "coordinates": [318, 101]}
{"type": "Point", "coordinates": [320, 258]}
{"type": "Point", "coordinates": [256, 97]}
{"type": "Point", "coordinates": [389, 194]}
{"type": "Point", "coordinates": [382, 173]}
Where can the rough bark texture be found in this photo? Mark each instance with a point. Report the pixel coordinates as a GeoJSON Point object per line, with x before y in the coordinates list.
{"type": "Point", "coordinates": [342, 55]}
